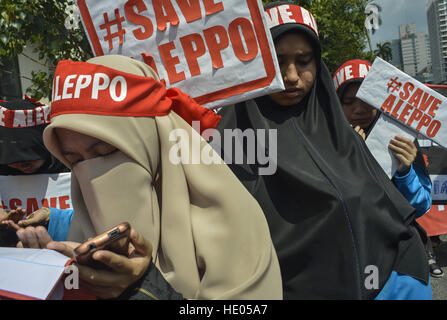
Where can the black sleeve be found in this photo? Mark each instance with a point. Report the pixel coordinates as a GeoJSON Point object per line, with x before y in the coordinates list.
{"type": "Point", "coordinates": [151, 286]}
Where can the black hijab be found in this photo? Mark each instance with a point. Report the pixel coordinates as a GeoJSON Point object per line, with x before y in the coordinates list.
{"type": "Point", "coordinates": [25, 144]}
{"type": "Point", "coordinates": [331, 209]}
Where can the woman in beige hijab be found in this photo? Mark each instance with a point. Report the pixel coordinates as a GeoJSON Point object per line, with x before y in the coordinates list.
{"type": "Point", "coordinates": [112, 123]}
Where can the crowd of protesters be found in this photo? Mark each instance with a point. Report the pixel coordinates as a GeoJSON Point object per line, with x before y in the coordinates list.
{"type": "Point", "coordinates": [310, 230]}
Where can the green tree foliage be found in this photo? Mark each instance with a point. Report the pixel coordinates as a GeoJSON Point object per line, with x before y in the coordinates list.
{"type": "Point", "coordinates": [40, 23]}
{"type": "Point", "coordinates": [384, 51]}
{"type": "Point", "coordinates": [341, 25]}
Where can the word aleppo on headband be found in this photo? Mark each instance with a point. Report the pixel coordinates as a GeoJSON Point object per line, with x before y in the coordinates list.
{"type": "Point", "coordinates": [38, 116]}
{"type": "Point", "coordinates": [86, 88]}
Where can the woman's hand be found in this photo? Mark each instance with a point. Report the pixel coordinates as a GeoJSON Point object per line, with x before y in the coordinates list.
{"type": "Point", "coordinates": [32, 237]}
{"type": "Point", "coordinates": [360, 132]}
{"type": "Point", "coordinates": [124, 271]}
{"type": "Point", "coordinates": [404, 150]}
{"type": "Point", "coordinates": [14, 215]}
{"type": "Point", "coordinates": [38, 217]}
{"type": "Point", "coordinates": [29, 237]}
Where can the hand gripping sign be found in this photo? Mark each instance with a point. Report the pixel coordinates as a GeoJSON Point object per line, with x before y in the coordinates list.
{"type": "Point", "coordinates": [218, 51]}
{"type": "Point", "coordinates": [406, 100]}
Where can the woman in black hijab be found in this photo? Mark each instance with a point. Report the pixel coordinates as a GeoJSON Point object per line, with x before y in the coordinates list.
{"type": "Point", "coordinates": [22, 152]}
{"type": "Point", "coordinates": [340, 228]}
{"type": "Point", "coordinates": [21, 148]}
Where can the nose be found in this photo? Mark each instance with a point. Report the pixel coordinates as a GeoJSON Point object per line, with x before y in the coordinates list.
{"type": "Point", "coordinates": [361, 107]}
{"type": "Point", "coordinates": [291, 74]}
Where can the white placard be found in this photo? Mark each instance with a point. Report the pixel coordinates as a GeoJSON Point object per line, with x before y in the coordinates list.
{"type": "Point", "coordinates": [218, 51]}
{"type": "Point", "coordinates": [407, 100]}
{"type": "Point", "coordinates": [31, 192]}
{"type": "Point", "coordinates": [379, 138]}
{"type": "Point", "coordinates": [30, 273]}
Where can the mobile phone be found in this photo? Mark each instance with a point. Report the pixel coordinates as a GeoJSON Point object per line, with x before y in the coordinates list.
{"type": "Point", "coordinates": [115, 239]}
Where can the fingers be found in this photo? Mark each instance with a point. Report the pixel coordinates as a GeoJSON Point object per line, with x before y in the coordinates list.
{"type": "Point", "coordinates": [405, 140]}
{"type": "Point", "coordinates": [37, 217]}
{"type": "Point", "coordinates": [360, 131]}
{"type": "Point", "coordinates": [403, 150]}
{"type": "Point", "coordinates": [16, 215]}
{"type": "Point", "coordinates": [101, 277]}
{"type": "Point", "coordinates": [405, 144]}
{"type": "Point", "coordinates": [10, 224]}
{"type": "Point", "coordinates": [141, 244]}
{"type": "Point", "coordinates": [115, 261]}
{"type": "Point", "coordinates": [28, 238]}
{"type": "Point", "coordinates": [64, 247]}
{"type": "Point", "coordinates": [36, 238]}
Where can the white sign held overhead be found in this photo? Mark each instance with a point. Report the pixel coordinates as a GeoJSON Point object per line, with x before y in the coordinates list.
{"type": "Point", "coordinates": [218, 51]}
{"type": "Point", "coordinates": [407, 100]}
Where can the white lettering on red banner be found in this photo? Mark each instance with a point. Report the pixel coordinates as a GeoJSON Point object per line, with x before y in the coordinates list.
{"type": "Point", "coordinates": [72, 86]}
{"type": "Point", "coordinates": [24, 118]}
{"type": "Point", "coordinates": [290, 14]}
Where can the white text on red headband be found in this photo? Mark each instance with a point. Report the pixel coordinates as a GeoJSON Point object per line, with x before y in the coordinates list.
{"type": "Point", "coordinates": [24, 118]}
{"type": "Point", "coordinates": [414, 106]}
{"type": "Point", "coordinates": [350, 72]}
{"type": "Point", "coordinates": [290, 14]}
{"type": "Point", "coordinates": [96, 86]}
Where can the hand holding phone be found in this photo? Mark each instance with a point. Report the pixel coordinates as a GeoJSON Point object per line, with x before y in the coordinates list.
{"type": "Point", "coordinates": [115, 239]}
{"type": "Point", "coordinates": [122, 271]}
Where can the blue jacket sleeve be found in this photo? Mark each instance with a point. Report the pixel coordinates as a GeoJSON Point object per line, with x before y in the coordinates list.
{"type": "Point", "coordinates": [416, 188]}
{"type": "Point", "coordinates": [60, 220]}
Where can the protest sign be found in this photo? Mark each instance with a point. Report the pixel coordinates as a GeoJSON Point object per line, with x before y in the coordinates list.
{"type": "Point", "coordinates": [31, 274]}
{"type": "Point", "coordinates": [407, 100]}
{"type": "Point", "coordinates": [385, 129]}
{"type": "Point", "coordinates": [32, 192]}
{"type": "Point", "coordinates": [218, 51]}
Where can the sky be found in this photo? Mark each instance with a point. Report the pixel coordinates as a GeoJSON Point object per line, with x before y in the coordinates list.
{"type": "Point", "coordinates": [397, 12]}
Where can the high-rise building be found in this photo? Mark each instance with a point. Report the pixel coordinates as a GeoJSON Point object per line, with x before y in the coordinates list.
{"type": "Point", "coordinates": [415, 54]}
{"type": "Point", "coordinates": [411, 53]}
{"type": "Point", "coordinates": [396, 51]}
{"type": "Point", "coordinates": [437, 29]}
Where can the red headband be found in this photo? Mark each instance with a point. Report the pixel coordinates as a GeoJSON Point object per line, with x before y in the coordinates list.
{"type": "Point", "coordinates": [286, 13]}
{"type": "Point", "coordinates": [351, 70]}
{"type": "Point", "coordinates": [25, 118]}
{"type": "Point", "coordinates": [82, 87]}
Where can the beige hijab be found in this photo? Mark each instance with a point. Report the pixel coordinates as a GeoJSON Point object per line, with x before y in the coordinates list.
{"type": "Point", "coordinates": [210, 237]}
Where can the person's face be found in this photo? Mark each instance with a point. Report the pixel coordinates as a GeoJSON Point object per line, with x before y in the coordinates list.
{"type": "Point", "coordinates": [27, 167]}
{"type": "Point", "coordinates": [357, 112]}
{"type": "Point", "coordinates": [298, 68]}
{"type": "Point", "coordinates": [77, 147]}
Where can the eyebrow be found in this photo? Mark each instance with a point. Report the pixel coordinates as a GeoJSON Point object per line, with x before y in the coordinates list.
{"type": "Point", "coordinates": [64, 152]}
{"type": "Point", "coordinates": [303, 55]}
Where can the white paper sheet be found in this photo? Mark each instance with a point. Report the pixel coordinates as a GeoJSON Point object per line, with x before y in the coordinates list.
{"type": "Point", "coordinates": [379, 138]}
{"type": "Point", "coordinates": [30, 272]}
